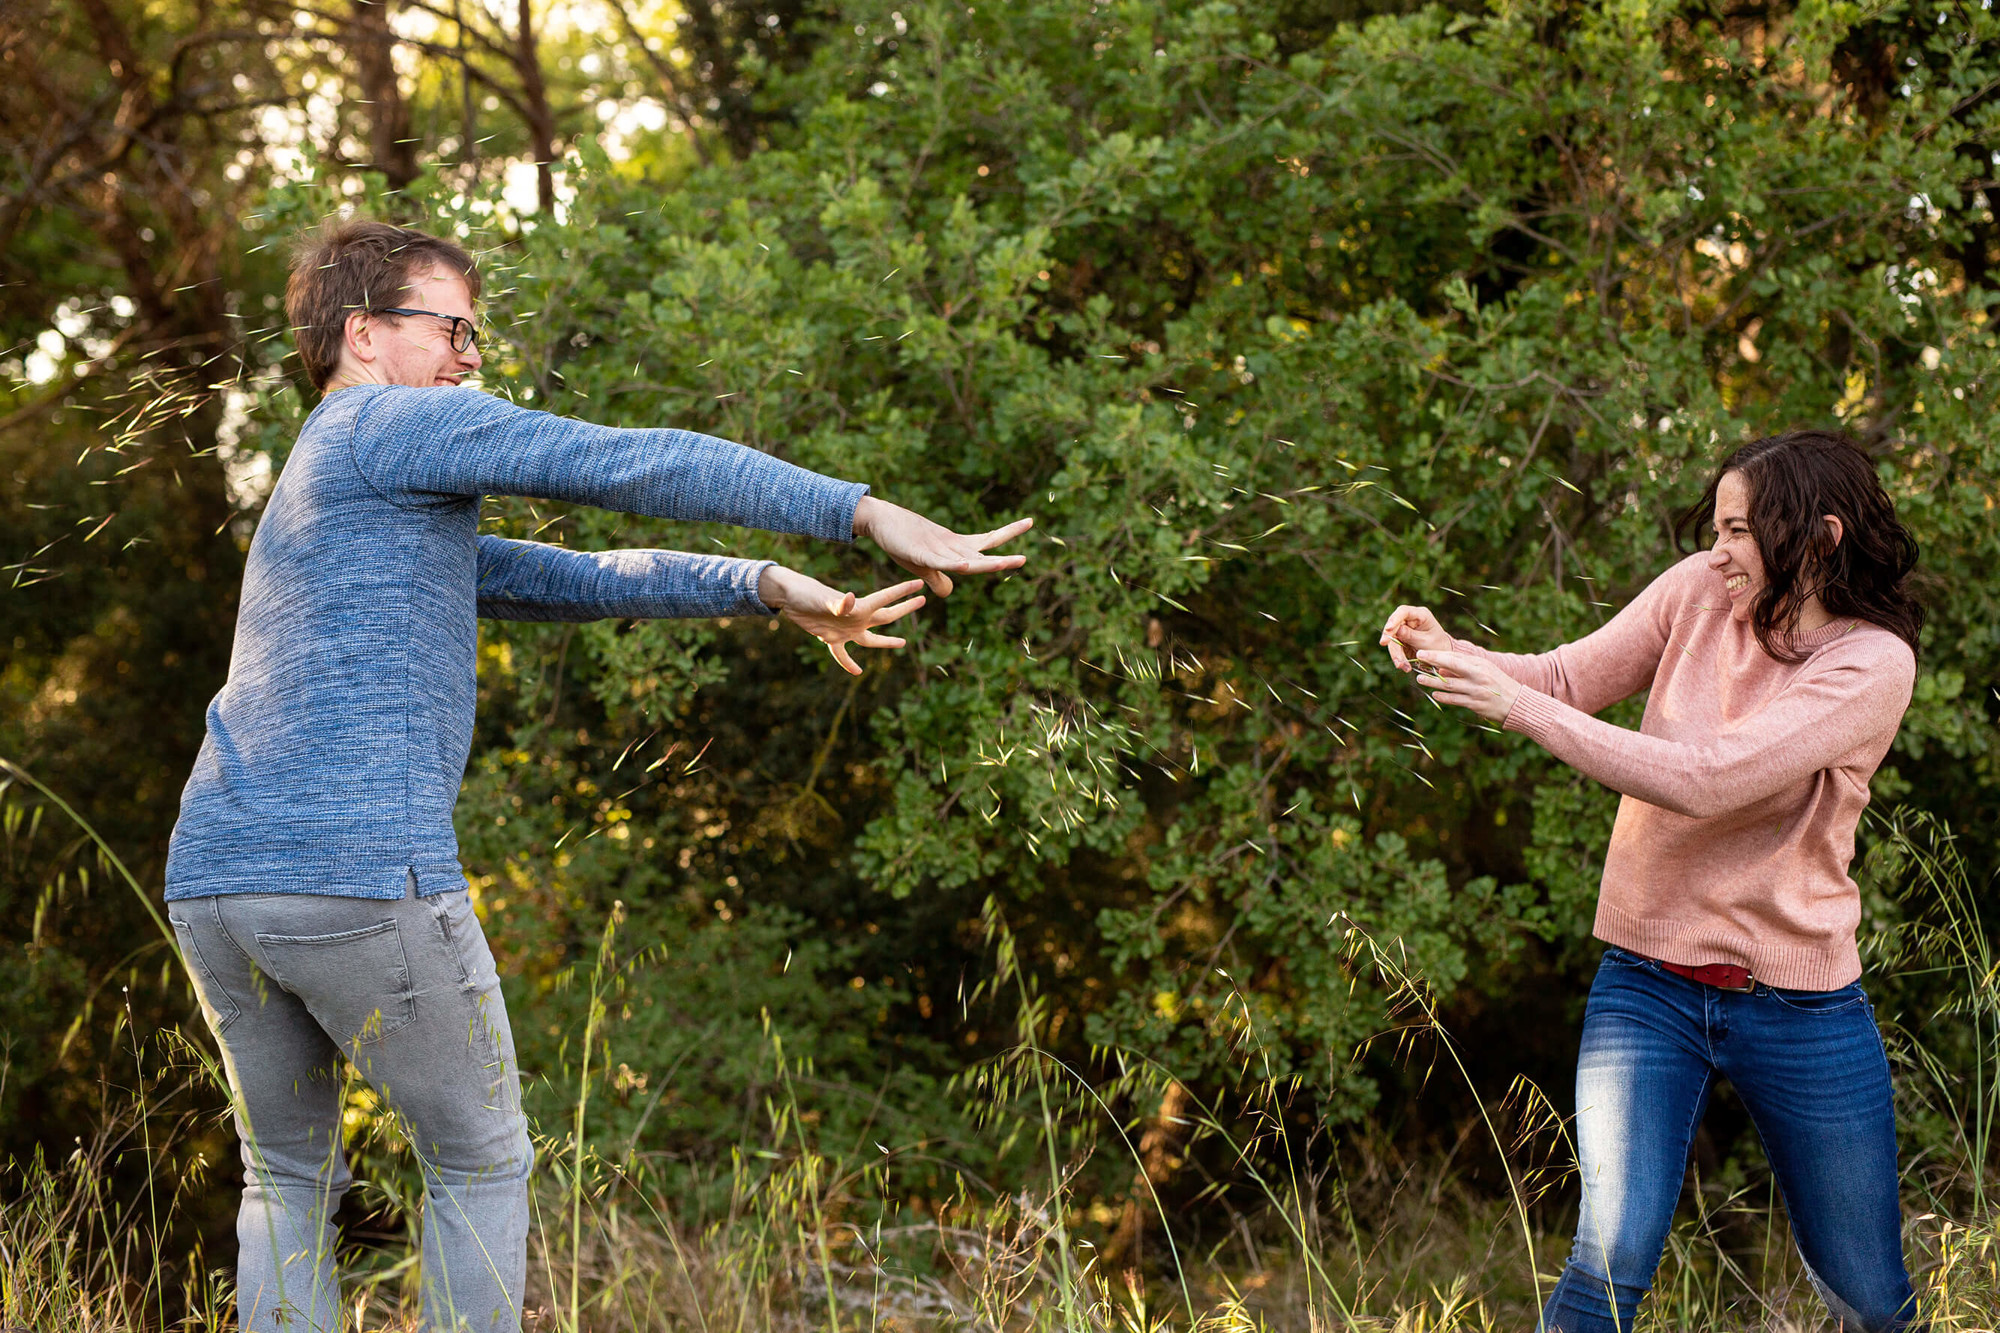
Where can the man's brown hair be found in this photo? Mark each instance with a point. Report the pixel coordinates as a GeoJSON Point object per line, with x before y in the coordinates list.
{"type": "Point", "coordinates": [358, 265]}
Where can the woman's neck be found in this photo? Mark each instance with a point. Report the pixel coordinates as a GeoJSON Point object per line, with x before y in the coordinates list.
{"type": "Point", "coordinates": [1814, 616]}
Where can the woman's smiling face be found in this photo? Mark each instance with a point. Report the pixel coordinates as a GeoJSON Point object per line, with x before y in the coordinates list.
{"type": "Point", "coordinates": [1735, 555]}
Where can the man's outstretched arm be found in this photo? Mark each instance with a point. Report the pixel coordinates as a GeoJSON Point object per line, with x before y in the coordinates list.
{"type": "Point", "coordinates": [535, 581]}
{"type": "Point", "coordinates": [417, 444]}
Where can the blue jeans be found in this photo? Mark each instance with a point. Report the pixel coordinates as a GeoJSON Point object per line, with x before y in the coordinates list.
{"type": "Point", "coordinates": [1809, 1067]}
{"type": "Point", "coordinates": [295, 985]}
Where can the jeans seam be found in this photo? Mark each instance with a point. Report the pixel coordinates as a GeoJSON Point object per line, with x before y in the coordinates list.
{"type": "Point", "coordinates": [215, 907]}
{"type": "Point", "coordinates": [442, 914]}
{"type": "Point", "coordinates": [208, 976]}
{"type": "Point", "coordinates": [1843, 1007]}
{"type": "Point", "coordinates": [1694, 1119]}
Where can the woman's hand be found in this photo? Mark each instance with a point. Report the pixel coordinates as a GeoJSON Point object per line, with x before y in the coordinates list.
{"type": "Point", "coordinates": [1469, 681]}
{"type": "Point", "coordinates": [929, 549]}
{"type": "Point", "coordinates": [1411, 629]}
{"type": "Point", "coordinates": [836, 618]}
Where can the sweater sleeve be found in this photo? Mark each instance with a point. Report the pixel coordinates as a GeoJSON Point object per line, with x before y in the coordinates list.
{"type": "Point", "coordinates": [1614, 661]}
{"type": "Point", "coordinates": [533, 581]}
{"type": "Point", "coordinates": [1849, 693]}
{"type": "Point", "coordinates": [417, 445]}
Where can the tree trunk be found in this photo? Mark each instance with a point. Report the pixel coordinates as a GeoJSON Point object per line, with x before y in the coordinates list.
{"type": "Point", "coordinates": [373, 47]}
{"type": "Point", "coordinates": [541, 122]}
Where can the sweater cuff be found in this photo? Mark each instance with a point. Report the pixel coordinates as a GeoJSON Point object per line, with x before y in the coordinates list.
{"type": "Point", "coordinates": [1535, 715]}
{"type": "Point", "coordinates": [836, 512]}
{"type": "Point", "coordinates": [754, 601]}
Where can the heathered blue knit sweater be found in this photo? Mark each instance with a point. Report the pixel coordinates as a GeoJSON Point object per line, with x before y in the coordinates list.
{"type": "Point", "coordinates": [336, 748]}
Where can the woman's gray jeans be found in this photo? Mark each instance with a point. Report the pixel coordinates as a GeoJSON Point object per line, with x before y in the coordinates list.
{"type": "Point", "coordinates": [295, 984]}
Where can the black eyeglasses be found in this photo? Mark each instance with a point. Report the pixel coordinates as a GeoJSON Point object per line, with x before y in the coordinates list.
{"type": "Point", "coordinates": [464, 335]}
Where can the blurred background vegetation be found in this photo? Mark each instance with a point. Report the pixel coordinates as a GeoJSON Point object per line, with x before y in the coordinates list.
{"type": "Point", "coordinates": [1274, 314]}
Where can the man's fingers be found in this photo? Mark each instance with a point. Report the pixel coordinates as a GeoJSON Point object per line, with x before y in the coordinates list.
{"type": "Point", "coordinates": [839, 651]}
{"type": "Point", "coordinates": [840, 604]}
{"type": "Point", "coordinates": [938, 581]}
{"type": "Point", "coordinates": [1000, 535]}
{"type": "Point", "coordinates": [870, 639]}
{"type": "Point", "coordinates": [885, 615]}
{"type": "Point", "coordinates": [869, 604]}
{"type": "Point", "coordinates": [988, 564]}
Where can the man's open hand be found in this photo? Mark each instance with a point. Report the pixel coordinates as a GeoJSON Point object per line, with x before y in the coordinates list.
{"type": "Point", "coordinates": [931, 551]}
{"type": "Point", "coordinates": [837, 618]}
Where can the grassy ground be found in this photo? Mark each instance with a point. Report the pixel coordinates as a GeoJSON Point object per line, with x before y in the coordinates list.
{"type": "Point", "coordinates": [1339, 1237]}
{"type": "Point", "coordinates": [1425, 1253]}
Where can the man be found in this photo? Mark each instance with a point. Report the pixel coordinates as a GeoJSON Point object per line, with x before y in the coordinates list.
{"type": "Point", "coordinates": [313, 877]}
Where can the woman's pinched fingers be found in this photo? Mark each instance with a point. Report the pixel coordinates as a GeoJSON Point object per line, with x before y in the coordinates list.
{"type": "Point", "coordinates": [1396, 619]}
{"type": "Point", "coordinates": [1411, 617]}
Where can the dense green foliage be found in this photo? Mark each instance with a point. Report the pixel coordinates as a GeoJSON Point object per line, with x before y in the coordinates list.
{"type": "Point", "coordinates": [1273, 322]}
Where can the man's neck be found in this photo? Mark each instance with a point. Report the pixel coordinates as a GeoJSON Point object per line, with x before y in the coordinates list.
{"type": "Point", "coordinates": [347, 379]}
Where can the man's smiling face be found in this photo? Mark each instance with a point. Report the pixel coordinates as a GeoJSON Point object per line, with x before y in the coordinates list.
{"type": "Point", "coordinates": [413, 350]}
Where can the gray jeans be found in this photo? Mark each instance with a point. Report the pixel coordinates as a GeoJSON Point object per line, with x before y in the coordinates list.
{"type": "Point", "coordinates": [293, 985]}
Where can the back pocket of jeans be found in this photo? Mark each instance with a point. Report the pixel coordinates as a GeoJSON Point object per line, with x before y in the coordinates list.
{"type": "Point", "coordinates": [356, 983]}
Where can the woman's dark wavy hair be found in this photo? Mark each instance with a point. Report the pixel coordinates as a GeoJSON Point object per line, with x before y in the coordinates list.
{"type": "Point", "coordinates": [1794, 478]}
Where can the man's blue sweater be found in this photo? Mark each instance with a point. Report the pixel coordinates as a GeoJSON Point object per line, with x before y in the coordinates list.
{"type": "Point", "coordinates": [336, 748]}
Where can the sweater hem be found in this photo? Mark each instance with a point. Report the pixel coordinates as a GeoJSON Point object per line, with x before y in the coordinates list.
{"type": "Point", "coordinates": [1823, 967]}
{"type": "Point", "coordinates": [387, 882]}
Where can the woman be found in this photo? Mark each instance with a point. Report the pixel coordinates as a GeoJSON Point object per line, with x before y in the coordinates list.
{"type": "Point", "coordinates": [1778, 665]}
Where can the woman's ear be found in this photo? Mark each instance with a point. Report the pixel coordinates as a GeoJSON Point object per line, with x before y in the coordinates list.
{"type": "Point", "coordinates": [1830, 524]}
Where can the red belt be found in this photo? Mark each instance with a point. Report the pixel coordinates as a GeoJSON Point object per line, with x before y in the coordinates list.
{"type": "Point", "coordinates": [1722, 976]}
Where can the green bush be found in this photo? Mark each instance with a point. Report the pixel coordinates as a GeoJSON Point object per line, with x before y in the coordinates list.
{"type": "Point", "coordinates": [1271, 329]}
{"type": "Point", "coordinates": [1274, 318]}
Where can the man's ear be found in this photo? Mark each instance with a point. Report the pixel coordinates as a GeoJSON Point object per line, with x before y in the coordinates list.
{"type": "Point", "coordinates": [358, 335]}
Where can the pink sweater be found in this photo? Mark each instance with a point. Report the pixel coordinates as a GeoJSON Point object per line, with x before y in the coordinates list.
{"type": "Point", "coordinates": [1743, 785]}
